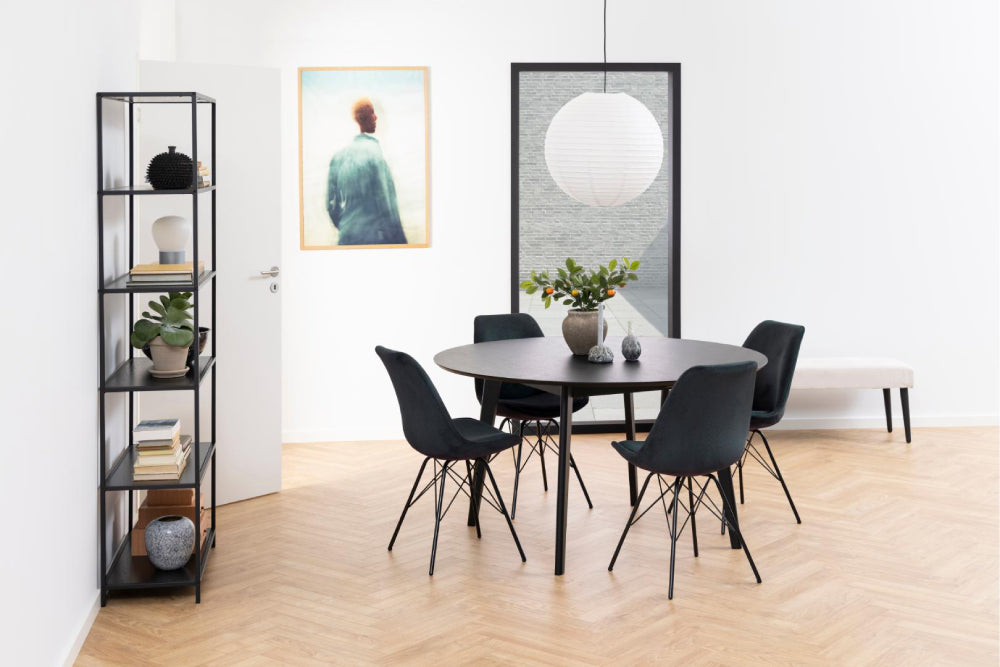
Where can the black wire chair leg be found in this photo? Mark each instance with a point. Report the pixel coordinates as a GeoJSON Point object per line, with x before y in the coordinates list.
{"type": "Point", "coordinates": [781, 478]}
{"type": "Point", "coordinates": [438, 507]}
{"type": "Point", "coordinates": [673, 537]}
{"type": "Point", "coordinates": [739, 533]}
{"type": "Point", "coordinates": [503, 510]}
{"type": "Point", "coordinates": [691, 511]}
{"type": "Point", "coordinates": [541, 454]}
{"type": "Point", "coordinates": [468, 470]}
{"type": "Point", "coordinates": [628, 524]}
{"type": "Point", "coordinates": [739, 469]}
{"type": "Point", "coordinates": [583, 486]}
{"type": "Point", "coordinates": [408, 501]}
{"type": "Point", "coordinates": [517, 475]}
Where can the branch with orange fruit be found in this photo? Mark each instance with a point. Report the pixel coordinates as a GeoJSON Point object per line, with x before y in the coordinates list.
{"type": "Point", "coordinates": [582, 288]}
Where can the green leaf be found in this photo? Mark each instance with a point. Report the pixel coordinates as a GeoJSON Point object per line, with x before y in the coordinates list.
{"type": "Point", "coordinates": [531, 290]}
{"type": "Point", "coordinates": [634, 265]}
{"type": "Point", "coordinates": [176, 336]}
{"type": "Point", "coordinates": [158, 308]}
{"type": "Point", "coordinates": [165, 300]}
{"type": "Point", "coordinates": [563, 274]}
{"type": "Point", "coordinates": [568, 302]}
{"type": "Point", "coordinates": [570, 263]}
{"type": "Point", "coordinates": [632, 276]}
{"type": "Point", "coordinates": [612, 264]}
{"type": "Point", "coordinates": [180, 304]}
{"type": "Point", "coordinates": [548, 301]}
{"type": "Point", "coordinates": [526, 284]}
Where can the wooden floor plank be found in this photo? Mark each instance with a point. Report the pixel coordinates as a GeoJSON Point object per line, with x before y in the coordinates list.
{"type": "Point", "coordinates": [896, 562]}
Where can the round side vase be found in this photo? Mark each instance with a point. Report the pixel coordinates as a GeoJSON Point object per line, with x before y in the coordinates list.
{"type": "Point", "coordinates": [170, 541]}
{"type": "Point", "coordinates": [580, 331]}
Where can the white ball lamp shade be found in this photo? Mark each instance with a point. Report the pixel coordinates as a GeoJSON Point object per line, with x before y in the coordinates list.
{"type": "Point", "coordinates": [604, 149]}
{"type": "Point", "coordinates": [171, 233]}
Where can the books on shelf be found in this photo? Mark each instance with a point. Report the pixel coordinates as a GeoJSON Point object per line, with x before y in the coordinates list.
{"type": "Point", "coordinates": [156, 430]}
{"type": "Point", "coordinates": [163, 273]}
{"type": "Point", "coordinates": [167, 466]}
{"type": "Point", "coordinates": [204, 176]}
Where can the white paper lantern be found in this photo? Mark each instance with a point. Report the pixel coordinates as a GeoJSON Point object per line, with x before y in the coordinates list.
{"type": "Point", "coordinates": [604, 149]}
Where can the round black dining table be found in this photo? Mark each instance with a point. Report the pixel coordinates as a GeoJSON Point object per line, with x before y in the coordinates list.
{"type": "Point", "coordinates": [546, 363]}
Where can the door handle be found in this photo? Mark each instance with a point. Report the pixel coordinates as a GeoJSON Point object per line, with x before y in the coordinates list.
{"type": "Point", "coordinates": [272, 272]}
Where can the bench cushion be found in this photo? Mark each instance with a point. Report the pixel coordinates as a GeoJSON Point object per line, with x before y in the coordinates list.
{"type": "Point", "coordinates": [851, 373]}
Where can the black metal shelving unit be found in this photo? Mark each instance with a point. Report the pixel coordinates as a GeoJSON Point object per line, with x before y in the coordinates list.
{"type": "Point", "coordinates": [119, 569]}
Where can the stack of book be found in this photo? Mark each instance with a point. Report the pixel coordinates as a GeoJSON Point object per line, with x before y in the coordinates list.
{"type": "Point", "coordinates": [204, 176]}
{"type": "Point", "coordinates": [161, 452]}
{"type": "Point", "coordinates": [163, 273]}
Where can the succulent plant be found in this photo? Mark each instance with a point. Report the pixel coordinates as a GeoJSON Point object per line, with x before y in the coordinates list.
{"type": "Point", "coordinates": [170, 320]}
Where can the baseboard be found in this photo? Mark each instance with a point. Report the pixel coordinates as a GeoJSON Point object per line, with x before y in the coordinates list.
{"type": "Point", "coordinates": [81, 636]}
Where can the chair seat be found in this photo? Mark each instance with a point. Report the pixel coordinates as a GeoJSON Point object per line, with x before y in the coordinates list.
{"type": "Point", "coordinates": [542, 405]}
{"type": "Point", "coordinates": [483, 439]}
{"type": "Point", "coordinates": [629, 449]}
{"type": "Point", "coordinates": [760, 419]}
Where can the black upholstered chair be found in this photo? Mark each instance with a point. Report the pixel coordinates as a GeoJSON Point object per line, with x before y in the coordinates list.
{"type": "Point", "coordinates": [521, 406]}
{"type": "Point", "coordinates": [780, 343]}
{"type": "Point", "coordinates": [701, 429]}
{"type": "Point", "coordinates": [445, 441]}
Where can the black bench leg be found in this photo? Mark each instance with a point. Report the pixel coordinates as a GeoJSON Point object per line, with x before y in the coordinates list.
{"type": "Point", "coordinates": [887, 397]}
{"type": "Point", "coordinates": [904, 398]}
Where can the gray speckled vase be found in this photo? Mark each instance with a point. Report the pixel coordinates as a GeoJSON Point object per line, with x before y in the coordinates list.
{"type": "Point", "coordinates": [170, 541]}
{"type": "Point", "coordinates": [630, 346]}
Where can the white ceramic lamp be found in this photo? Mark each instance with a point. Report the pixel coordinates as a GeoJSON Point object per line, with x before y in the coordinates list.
{"type": "Point", "coordinates": [604, 149]}
{"type": "Point", "coordinates": [171, 233]}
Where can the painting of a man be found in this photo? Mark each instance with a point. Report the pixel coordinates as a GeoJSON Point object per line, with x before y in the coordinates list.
{"type": "Point", "coordinates": [363, 158]}
{"type": "Point", "coordinates": [361, 196]}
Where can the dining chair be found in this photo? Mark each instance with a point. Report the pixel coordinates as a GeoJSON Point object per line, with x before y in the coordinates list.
{"type": "Point", "coordinates": [521, 406]}
{"type": "Point", "coordinates": [780, 343]}
{"type": "Point", "coordinates": [701, 429]}
{"type": "Point", "coordinates": [446, 442]}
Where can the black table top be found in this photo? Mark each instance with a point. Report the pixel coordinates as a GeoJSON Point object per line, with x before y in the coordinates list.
{"type": "Point", "coordinates": [548, 361]}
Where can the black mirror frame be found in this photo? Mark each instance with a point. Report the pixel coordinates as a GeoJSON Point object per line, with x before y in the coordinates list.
{"type": "Point", "coordinates": [674, 69]}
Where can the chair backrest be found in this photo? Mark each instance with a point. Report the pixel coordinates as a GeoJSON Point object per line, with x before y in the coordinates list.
{"type": "Point", "coordinates": [780, 343]}
{"type": "Point", "coordinates": [702, 426]}
{"type": "Point", "coordinates": [507, 326]}
{"type": "Point", "coordinates": [426, 422]}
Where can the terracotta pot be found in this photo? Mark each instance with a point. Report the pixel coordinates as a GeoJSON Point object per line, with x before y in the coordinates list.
{"type": "Point", "coordinates": [167, 358]}
{"type": "Point", "coordinates": [580, 330]}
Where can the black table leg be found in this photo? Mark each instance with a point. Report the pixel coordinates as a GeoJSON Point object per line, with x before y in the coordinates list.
{"type": "Point", "coordinates": [487, 414]}
{"type": "Point", "coordinates": [562, 495]}
{"type": "Point", "coordinates": [726, 481]}
{"type": "Point", "coordinates": [630, 435]}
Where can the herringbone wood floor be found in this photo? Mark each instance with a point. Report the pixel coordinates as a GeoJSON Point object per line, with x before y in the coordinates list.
{"type": "Point", "coordinates": [896, 562]}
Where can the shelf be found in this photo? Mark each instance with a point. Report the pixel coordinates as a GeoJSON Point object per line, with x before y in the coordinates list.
{"type": "Point", "coordinates": [148, 190]}
{"type": "Point", "coordinates": [135, 572]}
{"type": "Point", "coordinates": [120, 477]}
{"type": "Point", "coordinates": [133, 375]}
{"type": "Point", "coordinates": [158, 98]}
{"type": "Point", "coordinates": [121, 285]}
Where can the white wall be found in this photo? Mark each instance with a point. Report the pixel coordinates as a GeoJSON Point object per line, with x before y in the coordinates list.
{"type": "Point", "coordinates": [839, 170]}
{"type": "Point", "coordinates": [57, 55]}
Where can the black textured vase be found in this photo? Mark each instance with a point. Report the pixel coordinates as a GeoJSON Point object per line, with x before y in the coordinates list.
{"type": "Point", "coordinates": [170, 171]}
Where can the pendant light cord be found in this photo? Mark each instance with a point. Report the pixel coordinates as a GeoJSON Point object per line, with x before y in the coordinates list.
{"type": "Point", "coordinates": [605, 46]}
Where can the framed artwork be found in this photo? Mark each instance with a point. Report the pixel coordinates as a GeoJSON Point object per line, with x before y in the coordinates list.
{"type": "Point", "coordinates": [364, 163]}
{"type": "Point", "coordinates": [547, 225]}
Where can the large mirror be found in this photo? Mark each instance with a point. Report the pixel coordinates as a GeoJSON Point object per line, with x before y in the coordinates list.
{"type": "Point", "coordinates": [548, 225]}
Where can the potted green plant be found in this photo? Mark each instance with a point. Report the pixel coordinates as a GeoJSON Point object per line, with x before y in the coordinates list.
{"type": "Point", "coordinates": [168, 332]}
{"type": "Point", "coordinates": [583, 290]}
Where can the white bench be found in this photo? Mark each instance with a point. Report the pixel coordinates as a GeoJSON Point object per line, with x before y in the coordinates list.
{"type": "Point", "coordinates": [858, 373]}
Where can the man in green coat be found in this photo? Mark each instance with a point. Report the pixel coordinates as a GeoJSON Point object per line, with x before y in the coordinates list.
{"type": "Point", "coordinates": [361, 195]}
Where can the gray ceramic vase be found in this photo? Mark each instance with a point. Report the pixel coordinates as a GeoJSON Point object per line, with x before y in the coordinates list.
{"type": "Point", "coordinates": [170, 541]}
{"type": "Point", "coordinates": [630, 346]}
{"type": "Point", "coordinates": [580, 331]}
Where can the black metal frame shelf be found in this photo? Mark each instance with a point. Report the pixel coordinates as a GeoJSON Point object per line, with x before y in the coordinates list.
{"type": "Point", "coordinates": [129, 572]}
{"type": "Point", "coordinates": [133, 374]}
{"type": "Point", "coordinates": [121, 285]}
{"type": "Point", "coordinates": [120, 477]}
{"type": "Point", "coordinates": [146, 190]}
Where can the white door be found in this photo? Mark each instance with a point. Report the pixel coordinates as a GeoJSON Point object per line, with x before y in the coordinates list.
{"type": "Point", "coordinates": [248, 201]}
